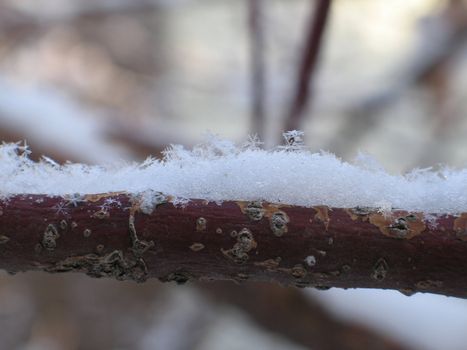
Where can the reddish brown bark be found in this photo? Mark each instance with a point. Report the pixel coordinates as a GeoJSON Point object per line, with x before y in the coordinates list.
{"type": "Point", "coordinates": [115, 235]}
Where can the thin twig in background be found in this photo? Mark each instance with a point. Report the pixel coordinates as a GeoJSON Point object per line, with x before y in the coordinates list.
{"type": "Point", "coordinates": [301, 95]}
{"type": "Point", "coordinates": [257, 61]}
{"type": "Point", "coordinates": [299, 318]}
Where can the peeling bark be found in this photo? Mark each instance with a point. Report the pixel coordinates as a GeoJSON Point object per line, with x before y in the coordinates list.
{"type": "Point", "coordinates": [120, 235]}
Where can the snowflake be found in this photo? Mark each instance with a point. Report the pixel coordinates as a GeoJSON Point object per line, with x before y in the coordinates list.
{"type": "Point", "coordinates": [104, 207]}
{"type": "Point", "coordinates": [50, 161]}
{"type": "Point", "coordinates": [253, 142]}
{"type": "Point", "coordinates": [293, 140]}
{"type": "Point", "coordinates": [23, 149]}
{"type": "Point", "coordinates": [74, 200]}
{"type": "Point", "coordinates": [60, 208]}
{"type": "Point", "coordinates": [110, 201]}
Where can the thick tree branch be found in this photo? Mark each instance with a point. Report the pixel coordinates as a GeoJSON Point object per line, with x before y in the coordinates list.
{"type": "Point", "coordinates": [135, 237]}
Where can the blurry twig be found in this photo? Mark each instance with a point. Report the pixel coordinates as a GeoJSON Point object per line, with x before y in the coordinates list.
{"type": "Point", "coordinates": [289, 312]}
{"type": "Point", "coordinates": [257, 61]}
{"type": "Point", "coordinates": [306, 70]}
{"type": "Point", "coordinates": [143, 139]}
{"type": "Point", "coordinates": [442, 36]}
{"type": "Point", "coordinates": [14, 21]}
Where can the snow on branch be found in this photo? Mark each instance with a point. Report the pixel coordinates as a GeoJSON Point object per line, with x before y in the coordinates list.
{"type": "Point", "coordinates": [219, 170]}
{"type": "Point", "coordinates": [226, 212]}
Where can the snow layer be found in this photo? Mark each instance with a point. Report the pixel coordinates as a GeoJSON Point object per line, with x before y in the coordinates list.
{"type": "Point", "coordinates": [219, 170]}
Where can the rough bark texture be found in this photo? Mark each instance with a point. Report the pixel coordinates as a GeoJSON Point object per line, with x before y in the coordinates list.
{"type": "Point", "coordinates": [119, 235]}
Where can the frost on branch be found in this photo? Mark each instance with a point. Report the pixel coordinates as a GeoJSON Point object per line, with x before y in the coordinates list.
{"type": "Point", "coordinates": [221, 211]}
{"type": "Point", "coordinates": [218, 170]}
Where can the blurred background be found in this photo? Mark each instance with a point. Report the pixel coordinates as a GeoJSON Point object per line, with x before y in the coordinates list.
{"type": "Point", "coordinates": [99, 81]}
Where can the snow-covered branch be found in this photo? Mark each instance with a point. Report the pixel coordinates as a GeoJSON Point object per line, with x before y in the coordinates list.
{"type": "Point", "coordinates": [219, 212]}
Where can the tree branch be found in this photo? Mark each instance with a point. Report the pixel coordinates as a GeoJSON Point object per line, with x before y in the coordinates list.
{"type": "Point", "coordinates": [301, 94]}
{"type": "Point", "coordinates": [128, 237]}
{"type": "Point", "coordinates": [257, 67]}
{"type": "Point", "coordinates": [299, 318]}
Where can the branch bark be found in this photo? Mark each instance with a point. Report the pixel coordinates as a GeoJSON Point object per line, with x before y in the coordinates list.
{"type": "Point", "coordinates": [128, 237]}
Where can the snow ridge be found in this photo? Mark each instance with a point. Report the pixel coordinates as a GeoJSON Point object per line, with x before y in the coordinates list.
{"type": "Point", "coordinates": [219, 170]}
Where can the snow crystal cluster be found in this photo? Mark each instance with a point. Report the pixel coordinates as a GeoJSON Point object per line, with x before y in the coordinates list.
{"type": "Point", "coordinates": [219, 170]}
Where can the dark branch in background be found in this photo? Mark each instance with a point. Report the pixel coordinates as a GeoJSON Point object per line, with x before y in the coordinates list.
{"type": "Point", "coordinates": [257, 61]}
{"type": "Point", "coordinates": [124, 237]}
{"type": "Point", "coordinates": [17, 26]}
{"type": "Point", "coordinates": [16, 20]}
{"type": "Point", "coordinates": [307, 67]}
{"type": "Point", "coordinates": [298, 317]}
{"type": "Point", "coordinates": [430, 67]}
